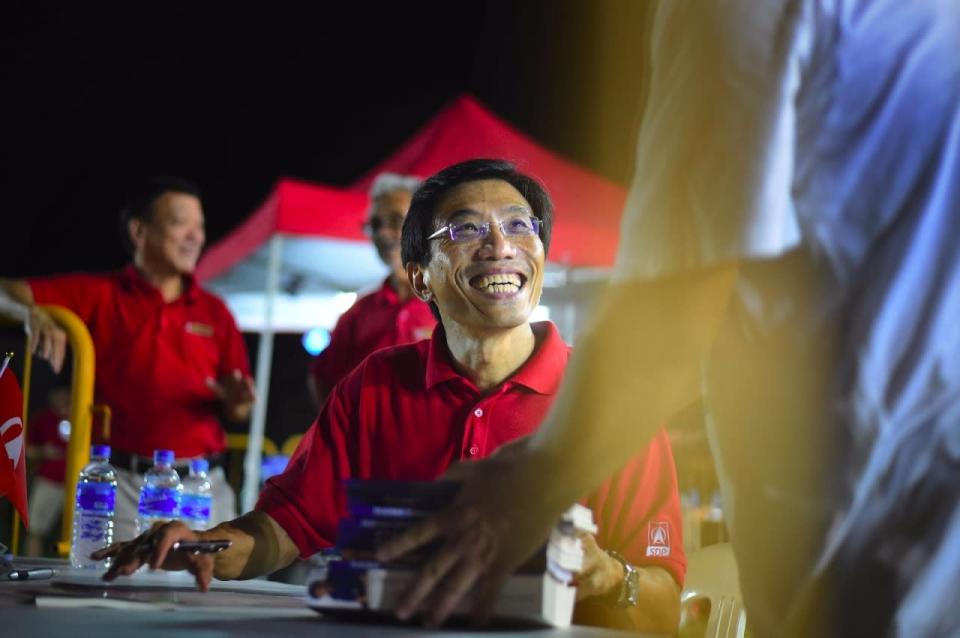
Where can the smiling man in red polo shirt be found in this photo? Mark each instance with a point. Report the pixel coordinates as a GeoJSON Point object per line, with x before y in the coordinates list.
{"type": "Point", "coordinates": [474, 243]}
{"type": "Point", "coordinates": [170, 361]}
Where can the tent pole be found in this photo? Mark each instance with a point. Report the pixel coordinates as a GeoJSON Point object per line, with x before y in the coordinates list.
{"type": "Point", "coordinates": [252, 461]}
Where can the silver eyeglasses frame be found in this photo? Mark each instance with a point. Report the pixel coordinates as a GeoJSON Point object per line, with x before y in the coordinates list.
{"type": "Point", "coordinates": [484, 230]}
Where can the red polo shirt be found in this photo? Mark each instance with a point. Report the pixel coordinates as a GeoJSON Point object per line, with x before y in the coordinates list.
{"type": "Point", "coordinates": [406, 414]}
{"type": "Point", "coordinates": [153, 357]}
{"type": "Point", "coordinates": [375, 321]}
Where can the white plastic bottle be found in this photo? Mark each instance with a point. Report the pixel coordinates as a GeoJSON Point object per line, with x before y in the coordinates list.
{"type": "Point", "coordinates": [196, 501]}
{"type": "Point", "coordinates": [159, 493]}
{"type": "Point", "coordinates": [94, 511]}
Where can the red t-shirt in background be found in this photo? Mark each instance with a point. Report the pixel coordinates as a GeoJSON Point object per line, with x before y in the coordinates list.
{"type": "Point", "coordinates": [153, 357]}
{"type": "Point", "coordinates": [375, 321]}
{"type": "Point", "coordinates": [406, 414]}
{"type": "Point", "coordinates": [44, 430]}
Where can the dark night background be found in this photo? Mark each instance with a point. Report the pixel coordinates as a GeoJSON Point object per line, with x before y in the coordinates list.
{"type": "Point", "coordinates": [233, 96]}
{"type": "Point", "coordinates": [98, 96]}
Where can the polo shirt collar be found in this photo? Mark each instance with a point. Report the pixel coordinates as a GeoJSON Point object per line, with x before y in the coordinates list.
{"type": "Point", "coordinates": [542, 372]}
{"type": "Point", "coordinates": [135, 280]}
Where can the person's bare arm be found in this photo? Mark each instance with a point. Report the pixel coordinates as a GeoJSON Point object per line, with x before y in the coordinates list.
{"type": "Point", "coordinates": [638, 363]}
{"type": "Point", "coordinates": [17, 290]}
{"type": "Point", "coordinates": [259, 546]}
{"type": "Point", "coordinates": [47, 339]}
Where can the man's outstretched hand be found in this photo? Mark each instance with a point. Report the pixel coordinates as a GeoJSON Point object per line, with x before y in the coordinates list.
{"type": "Point", "coordinates": [496, 521]}
{"type": "Point", "coordinates": [153, 547]}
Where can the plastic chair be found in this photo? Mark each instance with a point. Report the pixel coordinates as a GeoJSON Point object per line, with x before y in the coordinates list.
{"type": "Point", "coordinates": [712, 575]}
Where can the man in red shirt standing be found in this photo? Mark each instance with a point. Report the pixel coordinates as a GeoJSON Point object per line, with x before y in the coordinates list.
{"type": "Point", "coordinates": [474, 243]}
{"type": "Point", "coordinates": [390, 316]}
{"type": "Point", "coordinates": [170, 361]}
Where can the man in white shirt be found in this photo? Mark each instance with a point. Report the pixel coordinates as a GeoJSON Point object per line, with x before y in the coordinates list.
{"type": "Point", "coordinates": [791, 251]}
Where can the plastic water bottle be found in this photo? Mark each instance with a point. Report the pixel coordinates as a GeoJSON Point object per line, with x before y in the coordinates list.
{"type": "Point", "coordinates": [159, 492]}
{"type": "Point", "coordinates": [94, 511]}
{"type": "Point", "coordinates": [196, 500]}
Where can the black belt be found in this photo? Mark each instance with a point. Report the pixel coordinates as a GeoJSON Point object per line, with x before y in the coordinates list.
{"type": "Point", "coordinates": [140, 464]}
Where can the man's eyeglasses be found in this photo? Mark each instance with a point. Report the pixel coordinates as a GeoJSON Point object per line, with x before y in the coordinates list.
{"type": "Point", "coordinates": [469, 231]}
{"type": "Point", "coordinates": [375, 224]}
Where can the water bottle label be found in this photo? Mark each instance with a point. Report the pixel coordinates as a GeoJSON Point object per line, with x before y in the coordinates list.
{"type": "Point", "coordinates": [96, 497]}
{"type": "Point", "coordinates": [158, 501]}
{"type": "Point", "coordinates": [97, 530]}
{"type": "Point", "coordinates": [195, 506]}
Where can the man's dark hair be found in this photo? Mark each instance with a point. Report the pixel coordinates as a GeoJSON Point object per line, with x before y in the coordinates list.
{"type": "Point", "coordinates": [420, 222]}
{"type": "Point", "coordinates": [140, 201]}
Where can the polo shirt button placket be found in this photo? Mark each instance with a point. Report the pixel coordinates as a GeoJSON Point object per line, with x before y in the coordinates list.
{"type": "Point", "coordinates": [475, 449]}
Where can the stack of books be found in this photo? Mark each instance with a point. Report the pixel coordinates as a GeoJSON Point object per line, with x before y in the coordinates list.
{"type": "Point", "coordinates": [349, 581]}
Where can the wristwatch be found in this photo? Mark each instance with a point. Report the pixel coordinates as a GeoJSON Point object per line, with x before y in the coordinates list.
{"type": "Point", "coordinates": [629, 594]}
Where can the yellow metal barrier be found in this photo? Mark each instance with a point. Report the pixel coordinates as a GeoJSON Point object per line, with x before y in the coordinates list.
{"type": "Point", "coordinates": [81, 415]}
{"type": "Point", "coordinates": [81, 399]}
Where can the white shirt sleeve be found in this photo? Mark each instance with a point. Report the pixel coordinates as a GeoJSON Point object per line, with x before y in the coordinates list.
{"type": "Point", "coordinates": [716, 147]}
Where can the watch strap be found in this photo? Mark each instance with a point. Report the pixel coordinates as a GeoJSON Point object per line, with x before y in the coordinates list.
{"type": "Point", "coordinates": [629, 594]}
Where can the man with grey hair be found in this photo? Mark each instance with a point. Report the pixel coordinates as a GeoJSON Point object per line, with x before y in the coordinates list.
{"type": "Point", "coordinates": [389, 316]}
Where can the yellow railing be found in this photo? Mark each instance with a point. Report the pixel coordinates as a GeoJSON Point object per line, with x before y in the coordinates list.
{"type": "Point", "coordinates": [81, 414]}
{"type": "Point", "coordinates": [81, 400]}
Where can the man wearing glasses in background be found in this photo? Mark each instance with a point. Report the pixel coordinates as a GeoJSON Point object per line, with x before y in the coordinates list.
{"type": "Point", "coordinates": [474, 245]}
{"type": "Point", "coordinates": [389, 316]}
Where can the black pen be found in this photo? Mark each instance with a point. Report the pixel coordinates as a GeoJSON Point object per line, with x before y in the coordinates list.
{"type": "Point", "coordinates": [38, 573]}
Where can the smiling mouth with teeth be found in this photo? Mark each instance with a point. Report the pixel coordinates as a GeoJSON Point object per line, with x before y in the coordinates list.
{"type": "Point", "coordinates": [499, 283]}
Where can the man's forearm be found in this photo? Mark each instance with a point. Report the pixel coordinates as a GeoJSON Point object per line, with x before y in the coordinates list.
{"type": "Point", "coordinates": [15, 299]}
{"type": "Point", "coordinates": [18, 290]}
{"type": "Point", "coordinates": [259, 546]}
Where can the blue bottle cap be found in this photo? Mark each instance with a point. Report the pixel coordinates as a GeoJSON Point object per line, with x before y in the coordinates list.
{"type": "Point", "coordinates": [163, 457]}
{"type": "Point", "coordinates": [199, 465]}
{"type": "Point", "coordinates": [100, 451]}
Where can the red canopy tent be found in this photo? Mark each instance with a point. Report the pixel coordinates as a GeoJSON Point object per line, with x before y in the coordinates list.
{"type": "Point", "coordinates": [290, 258]}
{"type": "Point", "coordinates": [588, 207]}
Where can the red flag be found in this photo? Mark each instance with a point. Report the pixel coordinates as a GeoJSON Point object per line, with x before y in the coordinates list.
{"type": "Point", "coordinates": [13, 465]}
